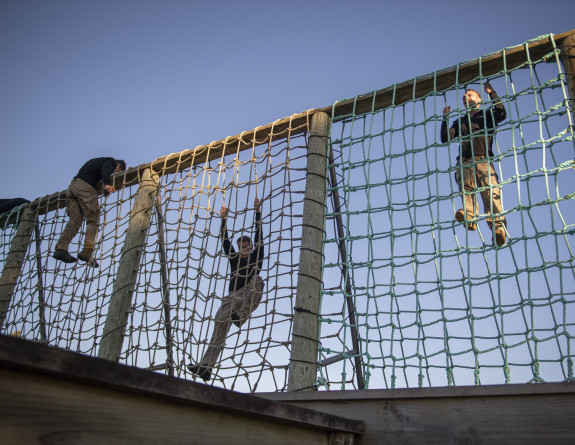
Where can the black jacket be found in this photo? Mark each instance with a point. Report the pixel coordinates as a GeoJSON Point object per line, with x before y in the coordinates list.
{"type": "Point", "coordinates": [482, 124]}
{"type": "Point", "coordinates": [243, 269]}
{"type": "Point", "coordinates": [96, 170]}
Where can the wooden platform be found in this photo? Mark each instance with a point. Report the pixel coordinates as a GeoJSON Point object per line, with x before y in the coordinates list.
{"type": "Point", "coordinates": [51, 396]}
{"type": "Point", "coordinates": [537, 413]}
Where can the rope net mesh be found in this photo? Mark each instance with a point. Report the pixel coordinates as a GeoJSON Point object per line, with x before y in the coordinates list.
{"type": "Point", "coordinates": [183, 272]}
{"type": "Point", "coordinates": [437, 304]}
{"type": "Point", "coordinates": [434, 304]}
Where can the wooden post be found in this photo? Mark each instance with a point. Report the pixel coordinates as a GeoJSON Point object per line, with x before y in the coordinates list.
{"type": "Point", "coordinates": [40, 284]}
{"type": "Point", "coordinates": [124, 285]}
{"type": "Point", "coordinates": [305, 336]}
{"type": "Point", "coordinates": [15, 259]}
{"type": "Point", "coordinates": [568, 61]}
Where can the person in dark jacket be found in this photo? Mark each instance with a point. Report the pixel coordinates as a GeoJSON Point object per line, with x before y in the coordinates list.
{"type": "Point", "coordinates": [245, 290]}
{"type": "Point", "coordinates": [474, 163]}
{"type": "Point", "coordinates": [82, 203]}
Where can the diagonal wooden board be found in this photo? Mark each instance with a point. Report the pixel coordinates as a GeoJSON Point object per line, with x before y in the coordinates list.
{"type": "Point", "coordinates": [52, 396]}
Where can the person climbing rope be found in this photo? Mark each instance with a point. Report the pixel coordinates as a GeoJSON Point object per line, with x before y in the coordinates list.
{"type": "Point", "coordinates": [474, 163]}
{"type": "Point", "coordinates": [82, 203]}
{"type": "Point", "coordinates": [245, 290]}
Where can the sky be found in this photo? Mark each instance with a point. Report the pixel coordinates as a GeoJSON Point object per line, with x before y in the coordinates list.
{"type": "Point", "coordinates": [139, 79]}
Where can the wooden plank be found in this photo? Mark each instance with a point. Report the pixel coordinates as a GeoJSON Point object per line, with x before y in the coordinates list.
{"type": "Point", "coordinates": [299, 123]}
{"type": "Point", "coordinates": [74, 388]}
{"type": "Point", "coordinates": [510, 414]}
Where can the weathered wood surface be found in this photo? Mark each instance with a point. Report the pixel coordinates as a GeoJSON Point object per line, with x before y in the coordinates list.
{"type": "Point", "coordinates": [128, 268]}
{"type": "Point", "coordinates": [568, 61]}
{"type": "Point", "coordinates": [14, 260]}
{"type": "Point", "coordinates": [497, 414]}
{"type": "Point", "coordinates": [51, 396]}
{"type": "Point", "coordinates": [303, 359]}
{"type": "Point", "coordinates": [299, 123]}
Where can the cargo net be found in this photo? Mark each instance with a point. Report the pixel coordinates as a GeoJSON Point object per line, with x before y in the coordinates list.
{"type": "Point", "coordinates": [183, 273]}
{"type": "Point", "coordinates": [436, 304]}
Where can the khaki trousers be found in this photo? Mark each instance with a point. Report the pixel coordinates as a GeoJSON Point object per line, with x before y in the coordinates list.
{"type": "Point", "coordinates": [81, 203]}
{"type": "Point", "coordinates": [236, 308]}
{"type": "Point", "coordinates": [477, 173]}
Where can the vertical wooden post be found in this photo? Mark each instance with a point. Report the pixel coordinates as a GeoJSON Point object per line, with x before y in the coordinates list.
{"type": "Point", "coordinates": [15, 259]}
{"type": "Point", "coordinates": [124, 285]}
{"type": "Point", "coordinates": [305, 342]}
{"type": "Point", "coordinates": [40, 284]}
{"type": "Point", "coordinates": [568, 61]}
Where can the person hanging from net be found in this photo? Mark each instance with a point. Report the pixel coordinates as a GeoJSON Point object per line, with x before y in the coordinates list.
{"type": "Point", "coordinates": [475, 160]}
{"type": "Point", "coordinates": [245, 290]}
{"type": "Point", "coordinates": [82, 203]}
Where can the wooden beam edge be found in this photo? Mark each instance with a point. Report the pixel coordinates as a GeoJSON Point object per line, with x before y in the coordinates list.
{"type": "Point", "coordinates": [38, 359]}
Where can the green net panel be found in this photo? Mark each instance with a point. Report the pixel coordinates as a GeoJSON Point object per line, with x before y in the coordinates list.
{"type": "Point", "coordinates": [436, 304]}
{"type": "Point", "coordinates": [432, 303]}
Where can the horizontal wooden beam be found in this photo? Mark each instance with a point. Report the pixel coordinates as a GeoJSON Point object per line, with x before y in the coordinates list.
{"type": "Point", "coordinates": [41, 384]}
{"type": "Point", "coordinates": [445, 79]}
{"type": "Point", "coordinates": [299, 123]}
{"type": "Point", "coordinates": [510, 414]}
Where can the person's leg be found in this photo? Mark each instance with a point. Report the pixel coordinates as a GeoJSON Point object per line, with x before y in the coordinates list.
{"type": "Point", "coordinates": [466, 187]}
{"type": "Point", "coordinates": [491, 197]}
{"type": "Point", "coordinates": [88, 201]}
{"type": "Point", "coordinates": [250, 301]}
{"type": "Point", "coordinates": [75, 218]}
{"type": "Point", "coordinates": [222, 323]}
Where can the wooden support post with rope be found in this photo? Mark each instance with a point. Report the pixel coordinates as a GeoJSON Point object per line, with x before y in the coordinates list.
{"type": "Point", "coordinates": [125, 283]}
{"type": "Point", "coordinates": [568, 62]}
{"type": "Point", "coordinates": [40, 284]}
{"type": "Point", "coordinates": [16, 256]}
{"type": "Point", "coordinates": [305, 344]}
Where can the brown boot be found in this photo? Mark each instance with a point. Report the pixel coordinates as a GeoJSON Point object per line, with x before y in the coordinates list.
{"type": "Point", "coordinates": [460, 217]}
{"type": "Point", "coordinates": [86, 256]}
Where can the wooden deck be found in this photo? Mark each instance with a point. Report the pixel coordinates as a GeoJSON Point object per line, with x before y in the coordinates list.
{"type": "Point", "coordinates": [51, 396]}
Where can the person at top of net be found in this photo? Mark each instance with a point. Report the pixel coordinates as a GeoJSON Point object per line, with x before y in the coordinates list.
{"type": "Point", "coordinates": [474, 168]}
{"type": "Point", "coordinates": [82, 203]}
{"type": "Point", "coordinates": [245, 290]}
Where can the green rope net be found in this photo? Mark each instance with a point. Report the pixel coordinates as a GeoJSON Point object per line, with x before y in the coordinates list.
{"type": "Point", "coordinates": [432, 303]}
{"type": "Point", "coordinates": [436, 304]}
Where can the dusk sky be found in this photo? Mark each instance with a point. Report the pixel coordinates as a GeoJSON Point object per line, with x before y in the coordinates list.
{"type": "Point", "coordinates": [139, 79]}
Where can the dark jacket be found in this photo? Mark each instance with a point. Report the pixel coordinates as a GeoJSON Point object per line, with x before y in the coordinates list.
{"type": "Point", "coordinates": [96, 170]}
{"type": "Point", "coordinates": [243, 269]}
{"type": "Point", "coordinates": [481, 123]}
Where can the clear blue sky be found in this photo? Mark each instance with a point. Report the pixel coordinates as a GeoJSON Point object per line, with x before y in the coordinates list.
{"type": "Point", "coordinates": [138, 79]}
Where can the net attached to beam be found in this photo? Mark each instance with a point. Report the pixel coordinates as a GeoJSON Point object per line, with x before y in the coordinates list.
{"type": "Point", "coordinates": [437, 304]}
{"type": "Point", "coordinates": [183, 274]}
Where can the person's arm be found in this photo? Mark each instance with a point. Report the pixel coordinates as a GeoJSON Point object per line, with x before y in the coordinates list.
{"type": "Point", "coordinates": [107, 169]}
{"type": "Point", "coordinates": [446, 135]}
{"type": "Point", "coordinates": [227, 245]}
{"type": "Point", "coordinates": [498, 110]}
{"type": "Point", "coordinates": [258, 253]}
